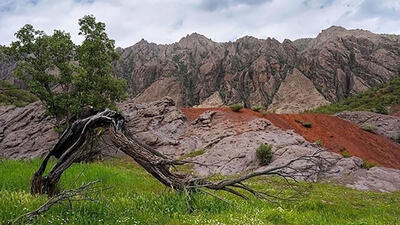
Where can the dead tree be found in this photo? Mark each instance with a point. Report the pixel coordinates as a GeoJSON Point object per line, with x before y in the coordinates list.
{"type": "Point", "coordinates": [72, 147]}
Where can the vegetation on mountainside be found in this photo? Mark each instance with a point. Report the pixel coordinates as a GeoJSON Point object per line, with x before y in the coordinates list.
{"type": "Point", "coordinates": [264, 153]}
{"type": "Point", "coordinates": [137, 198]}
{"type": "Point", "coordinates": [11, 95]}
{"type": "Point", "coordinates": [368, 127]}
{"type": "Point", "coordinates": [376, 99]}
{"type": "Point", "coordinates": [67, 78]}
{"type": "Point", "coordinates": [236, 107]}
{"type": "Point", "coordinates": [257, 108]}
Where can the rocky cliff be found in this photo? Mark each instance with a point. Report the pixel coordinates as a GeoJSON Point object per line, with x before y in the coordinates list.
{"type": "Point", "coordinates": [285, 77]}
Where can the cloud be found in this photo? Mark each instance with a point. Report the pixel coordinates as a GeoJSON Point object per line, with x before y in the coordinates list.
{"type": "Point", "coordinates": [166, 21]}
{"type": "Point", "coordinates": [213, 5]}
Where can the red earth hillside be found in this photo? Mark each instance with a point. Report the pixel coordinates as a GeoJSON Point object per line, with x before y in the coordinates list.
{"type": "Point", "coordinates": [335, 134]}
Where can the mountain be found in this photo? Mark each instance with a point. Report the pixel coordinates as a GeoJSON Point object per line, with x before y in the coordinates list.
{"type": "Point", "coordinates": [285, 77]}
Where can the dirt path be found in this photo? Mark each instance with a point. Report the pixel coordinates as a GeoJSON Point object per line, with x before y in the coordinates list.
{"type": "Point", "coordinates": [335, 134]}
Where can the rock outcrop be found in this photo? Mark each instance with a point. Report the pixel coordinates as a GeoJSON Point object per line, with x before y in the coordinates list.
{"type": "Point", "coordinates": [228, 146]}
{"type": "Point", "coordinates": [385, 125]}
{"type": "Point", "coordinates": [25, 132]}
{"type": "Point", "coordinates": [296, 93]}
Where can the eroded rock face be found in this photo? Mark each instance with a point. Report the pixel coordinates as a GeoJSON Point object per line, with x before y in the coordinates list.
{"type": "Point", "coordinates": [386, 125]}
{"type": "Point", "coordinates": [214, 100]}
{"type": "Point", "coordinates": [334, 65]}
{"type": "Point", "coordinates": [248, 70]}
{"type": "Point", "coordinates": [343, 62]}
{"type": "Point", "coordinates": [25, 132]}
{"type": "Point", "coordinates": [296, 93]}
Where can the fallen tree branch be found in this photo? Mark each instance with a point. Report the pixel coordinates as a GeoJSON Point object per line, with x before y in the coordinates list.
{"type": "Point", "coordinates": [81, 192]}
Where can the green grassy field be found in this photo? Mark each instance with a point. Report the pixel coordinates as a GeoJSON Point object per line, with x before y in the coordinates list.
{"type": "Point", "coordinates": [137, 198]}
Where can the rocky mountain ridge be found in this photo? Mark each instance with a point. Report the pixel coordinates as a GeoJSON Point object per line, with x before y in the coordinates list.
{"type": "Point", "coordinates": [334, 65]}
{"type": "Point", "coordinates": [284, 77]}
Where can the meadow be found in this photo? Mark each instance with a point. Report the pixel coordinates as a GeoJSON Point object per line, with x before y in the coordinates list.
{"type": "Point", "coordinates": [134, 197]}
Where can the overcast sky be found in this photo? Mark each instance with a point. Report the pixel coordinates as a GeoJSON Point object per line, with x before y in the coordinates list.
{"type": "Point", "coordinates": [166, 21]}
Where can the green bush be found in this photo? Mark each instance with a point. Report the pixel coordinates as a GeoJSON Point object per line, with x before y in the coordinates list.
{"type": "Point", "coordinates": [257, 108]}
{"type": "Point", "coordinates": [368, 127]}
{"type": "Point", "coordinates": [368, 165]}
{"type": "Point", "coordinates": [304, 124]}
{"type": "Point", "coordinates": [264, 153]}
{"type": "Point", "coordinates": [346, 154]}
{"type": "Point", "coordinates": [236, 107]}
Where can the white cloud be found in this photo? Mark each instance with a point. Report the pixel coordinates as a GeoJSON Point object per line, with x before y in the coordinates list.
{"type": "Point", "coordinates": [166, 21]}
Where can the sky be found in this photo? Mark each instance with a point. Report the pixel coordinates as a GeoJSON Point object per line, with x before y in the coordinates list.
{"type": "Point", "coordinates": [166, 21]}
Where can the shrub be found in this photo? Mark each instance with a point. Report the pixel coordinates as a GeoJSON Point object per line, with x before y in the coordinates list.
{"type": "Point", "coordinates": [319, 142]}
{"type": "Point", "coordinates": [368, 127]}
{"type": "Point", "coordinates": [346, 154]}
{"type": "Point", "coordinates": [368, 165]}
{"type": "Point", "coordinates": [194, 154]}
{"type": "Point", "coordinates": [236, 107]}
{"type": "Point", "coordinates": [304, 124]}
{"type": "Point", "coordinates": [264, 112]}
{"type": "Point", "coordinates": [264, 153]}
{"type": "Point", "coordinates": [257, 108]}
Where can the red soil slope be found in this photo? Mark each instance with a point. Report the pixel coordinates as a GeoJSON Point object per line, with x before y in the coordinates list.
{"type": "Point", "coordinates": [336, 135]}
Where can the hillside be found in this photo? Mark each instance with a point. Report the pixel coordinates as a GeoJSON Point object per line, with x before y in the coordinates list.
{"type": "Point", "coordinates": [377, 99]}
{"type": "Point", "coordinates": [11, 95]}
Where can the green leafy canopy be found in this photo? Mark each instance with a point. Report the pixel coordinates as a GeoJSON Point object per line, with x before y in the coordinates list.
{"type": "Point", "coordinates": [68, 78]}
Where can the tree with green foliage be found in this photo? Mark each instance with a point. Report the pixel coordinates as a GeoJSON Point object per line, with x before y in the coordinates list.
{"type": "Point", "coordinates": [67, 78]}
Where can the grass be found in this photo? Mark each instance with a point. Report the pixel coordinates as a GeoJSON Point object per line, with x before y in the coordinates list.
{"type": "Point", "coordinates": [137, 198]}
{"type": "Point", "coordinates": [193, 154]}
{"type": "Point", "coordinates": [375, 99]}
{"type": "Point", "coordinates": [11, 95]}
{"type": "Point", "coordinates": [368, 127]}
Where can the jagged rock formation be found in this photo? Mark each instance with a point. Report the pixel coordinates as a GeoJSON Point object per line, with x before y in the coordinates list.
{"type": "Point", "coordinates": [385, 125]}
{"type": "Point", "coordinates": [337, 63]}
{"type": "Point", "coordinates": [342, 62]}
{"type": "Point", "coordinates": [228, 146]}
